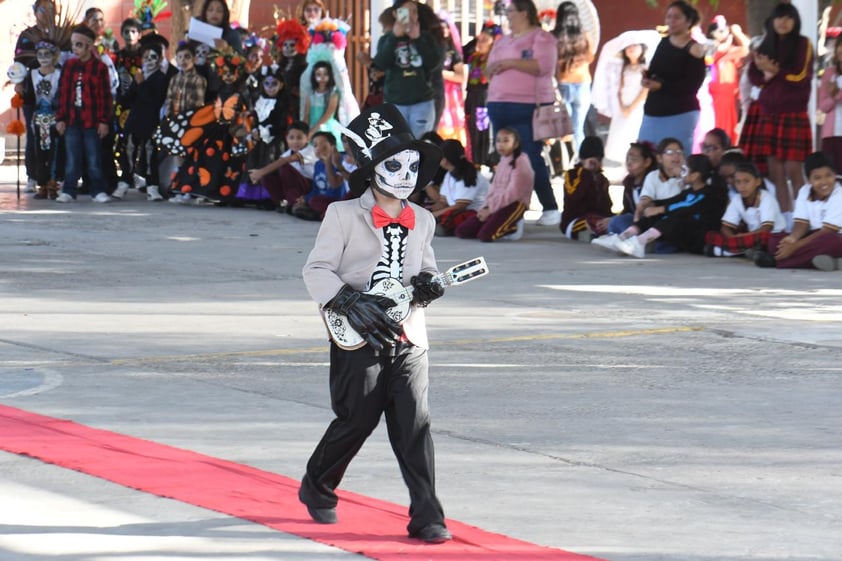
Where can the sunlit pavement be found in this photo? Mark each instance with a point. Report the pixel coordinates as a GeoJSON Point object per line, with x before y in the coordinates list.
{"type": "Point", "coordinates": [671, 408]}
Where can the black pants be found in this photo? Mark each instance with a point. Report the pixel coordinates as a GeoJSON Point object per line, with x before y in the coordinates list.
{"type": "Point", "coordinates": [363, 385]}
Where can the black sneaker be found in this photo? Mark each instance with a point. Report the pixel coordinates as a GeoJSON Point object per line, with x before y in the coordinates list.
{"type": "Point", "coordinates": [764, 259]}
{"type": "Point", "coordinates": [709, 250]}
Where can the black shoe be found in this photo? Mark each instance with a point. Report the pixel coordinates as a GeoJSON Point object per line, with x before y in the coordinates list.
{"type": "Point", "coordinates": [764, 259]}
{"type": "Point", "coordinates": [322, 515]}
{"type": "Point", "coordinates": [432, 533]}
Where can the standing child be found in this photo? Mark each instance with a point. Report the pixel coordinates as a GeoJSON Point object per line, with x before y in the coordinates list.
{"type": "Point", "coordinates": [83, 116]}
{"type": "Point", "coordinates": [328, 181]}
{"type": "Point", "coordinates": [270, 114]}
{"type": "Point", "coordinates": [462, 192]}
{"type": "Point", "coordinates": [321, 105]}
{"type": "Point", "coordinates": [361, 241]}
{"type": "Point", "coordinates": [508, 197]}
{"type": "Point", "coordinates": [476, 96]}
{"type": "Point", "coordinates": [587, 204]}
{"type": "Point", "coordinates": [185, 94]}
{"type": "Point", "coordinates": [145, 98]}
{"type": "Point", "coordinates": [815, 240]}
{"type": "Point", "coordinates": [41, 96]}
{"type": "Point", "coordinates": [755, 213]}
{"type": "Point", "coordinates": [289, 177]}
{"type": "Point", "coordinates": [783, 67]}
{"type": "Point", "coordinates": [625, 101]}
{"type": "Point", "coordinates": [829, 101]}
{"type": "Point", "coordinates": [641, 160]}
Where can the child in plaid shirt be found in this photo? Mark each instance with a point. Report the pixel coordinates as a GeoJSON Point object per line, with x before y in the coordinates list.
{"type": "Point", "coordinates": [83, 116]}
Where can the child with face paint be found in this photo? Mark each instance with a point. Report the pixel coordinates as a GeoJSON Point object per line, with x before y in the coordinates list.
{"type": "Point", "coordinates": [40, 94]}
{"type": "Point", "coordinates": [270, 113]}
{"type": "Point", "coordinates": [322, 103]}
{"type": "Point", "coordinates": [83, 116]}
{"type": "Point", "coordinates": [213, 167]}
{"type": "Point", "coordinates": [361, 241]}
{"type": "Point", "coordinates": [289, 54]}
{"type": "Point", "coordinates": [145, 97]}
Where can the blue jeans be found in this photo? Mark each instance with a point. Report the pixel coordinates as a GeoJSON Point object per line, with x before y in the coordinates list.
{"type": "Point", "coordinates": [518, 116]}
{"type": "Point", "coordinates": [681, 126]}
{"type": "Point", "coordinates": [419, 116]}
{"type": "Point", "coordinates": [620, 223]}
{"type": "Point", "coordinates": [577, 97]}
{"type": "Point", "coordinates": [83, 148]}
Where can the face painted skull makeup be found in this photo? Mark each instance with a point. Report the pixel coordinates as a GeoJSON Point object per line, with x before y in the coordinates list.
{"type": "Point", "coordinates": [288, 49]}
{"type": "Point", "coordinates": [397, 175]}
{"type": "Point", "coordinates": [45, 57]}
{"type": "Point", "coordinates": [151, 62]}
{"type": "Point", "coordinates": [202, 52]}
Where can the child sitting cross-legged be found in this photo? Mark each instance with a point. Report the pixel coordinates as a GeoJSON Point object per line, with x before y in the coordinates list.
{"type": "Point", "coordinates": [329, 183]}
{"type": "Point", "coordinates": [462, 190]}
{"type": "Point", "coordinates": [587, 204]}
{"type": "Point", "coordinates": [750, 219]}
{"type": "Point", "coordinates": [815, 240]}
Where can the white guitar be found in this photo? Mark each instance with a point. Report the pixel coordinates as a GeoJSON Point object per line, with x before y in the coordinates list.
{"type": "Point", "coordinates": [344, 335]}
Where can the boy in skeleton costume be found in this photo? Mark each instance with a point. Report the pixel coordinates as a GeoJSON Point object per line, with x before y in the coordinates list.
{"type": "Point", "coordinates": [40, 93]}
{"type": "Point", "coordinates": [361, 241]}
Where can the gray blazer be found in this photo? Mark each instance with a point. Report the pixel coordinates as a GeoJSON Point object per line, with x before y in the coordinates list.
{"type": "Point", "coordinates": [348, 247]}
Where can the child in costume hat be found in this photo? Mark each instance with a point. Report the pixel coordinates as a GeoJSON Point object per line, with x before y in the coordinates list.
{"type": "Point", "coordinates": [361, 241]}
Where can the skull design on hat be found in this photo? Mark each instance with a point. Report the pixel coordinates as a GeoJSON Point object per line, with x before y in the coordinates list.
{"type": "Point", "coordinates": [388, 156]}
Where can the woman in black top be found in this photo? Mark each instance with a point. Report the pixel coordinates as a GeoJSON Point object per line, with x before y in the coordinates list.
{"type": "Point", "coordinates": [674, 77]}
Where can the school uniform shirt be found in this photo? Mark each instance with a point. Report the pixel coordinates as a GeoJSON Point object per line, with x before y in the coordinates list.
{"type": "Point", "coordinates": [305, 167]}
{"type": "Point", "coordinates": [657, 189]}
{"type": "Point", "coordinates": [765, 211]}
{"type": "Point", "coordinates": [585, 192]}
{"type": "Point", "coordinates": [349, 250]}
{"type": "Point", "coordinates": [455, 190]}
{"type": "Point", "coordinates": [819, 213]}
{"type": "Point", "coordinates": [321, 186]}
{"type": "Point", "coordinates": [510, 185]}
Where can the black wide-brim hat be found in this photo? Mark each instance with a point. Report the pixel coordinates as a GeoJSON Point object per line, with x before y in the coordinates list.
{"type": "Point", "coordinates": [380, 132]}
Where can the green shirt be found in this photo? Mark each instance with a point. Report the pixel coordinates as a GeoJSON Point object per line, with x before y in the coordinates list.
{"type": "Point", "coordinates": [408, 64]}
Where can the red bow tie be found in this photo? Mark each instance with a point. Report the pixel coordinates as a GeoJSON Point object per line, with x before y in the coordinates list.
{"type": "Point", "coordinates": [381, 218]}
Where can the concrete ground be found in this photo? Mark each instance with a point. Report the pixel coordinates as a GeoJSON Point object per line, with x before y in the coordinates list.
{"type": "Point", "coordinates": [672, 408]}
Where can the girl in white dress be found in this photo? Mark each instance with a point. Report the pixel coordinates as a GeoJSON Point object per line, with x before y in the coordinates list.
{"type": "Point", "coordinates": [627, 103]}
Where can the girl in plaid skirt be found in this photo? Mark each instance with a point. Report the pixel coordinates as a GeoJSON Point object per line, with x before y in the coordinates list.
{"type": "Point", "coordinates": [783, 68]}
{"type": "Point", "coordinates": [750, 218]}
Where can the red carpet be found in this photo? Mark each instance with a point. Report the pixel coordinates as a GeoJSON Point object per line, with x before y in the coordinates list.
{"type": "Point", "coordinates": [373, 528]}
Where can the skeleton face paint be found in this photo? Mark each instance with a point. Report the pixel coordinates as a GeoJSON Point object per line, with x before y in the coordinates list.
{"type": "Point", "coordinates": [45, 57]}
{"type": "Point", "coordinates": [151, 62]}
{"type": "Point", "coordinates": [202, 52]}
{"type": "Point", "coordinates": [397, 175]}
{"type": "Point", "coordinates": [288, 49]}
{"type": "Point", "coordinates": [271, 86]}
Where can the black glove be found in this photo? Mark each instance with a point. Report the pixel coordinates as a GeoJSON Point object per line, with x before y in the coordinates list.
{"type": "Point", "coordinates": [424, 290]}
{"type": "Point", "coordinates": [366, 314]}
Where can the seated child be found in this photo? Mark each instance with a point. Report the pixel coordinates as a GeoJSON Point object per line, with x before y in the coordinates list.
{"type": "Point", "coordinates": [815, 240]}
{"type": "Point", "coordinates": [508, 197]}
{"type": "Point", "coordinates": [750, 218]}
{"type": "Point", "coordinates": [289, 177]}
{"type": "Point", "coordinates": [640, 161]}
{"type": "Point", "coordinates": [462, 190]}
{"type": "Point", "coordinates": [587, 204]}
{"type": "Point", "coordinates": [329, 184]}
{"type": "Point", "coordinates": [682, 219]}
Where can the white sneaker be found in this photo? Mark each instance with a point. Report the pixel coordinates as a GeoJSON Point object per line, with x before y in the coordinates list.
{"type": "Point", "coordinates": [65, 198]}
{"type": "Point", "coordinates": [178, 199]}
{"type": "Point", "coordinates": [102, 198]}
{"type": "Point", "coordinates": [153, 194]}
{"type": "Point", "coordinates": [550, 218]}
{"type": "Point", "coordinates": [608, 241]}
{"type": "Point", "coordinates": [517, 234]}
{"type": "Point", "coordinates": [826, 263]}
{"type": "Point", "coordinates": [121, 190]}
{"type": "Point", "coordinates": [31, 185]}
{"type": "Point", "coordinates": [632, 246]}
{"type": "Point", "coordinates": [139, 181]}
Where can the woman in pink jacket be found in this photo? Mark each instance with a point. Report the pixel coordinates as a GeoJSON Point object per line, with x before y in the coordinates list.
{"type": "Point", "coordinates": [830, 97]}
{"type": "Point", "coordinates": [508, 197]}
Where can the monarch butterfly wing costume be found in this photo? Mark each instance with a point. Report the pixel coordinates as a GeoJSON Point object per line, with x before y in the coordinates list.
{"type": "Point", "coordinates": [179, 132]}
{"type": "Point", "coordinates": [214, 157]}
